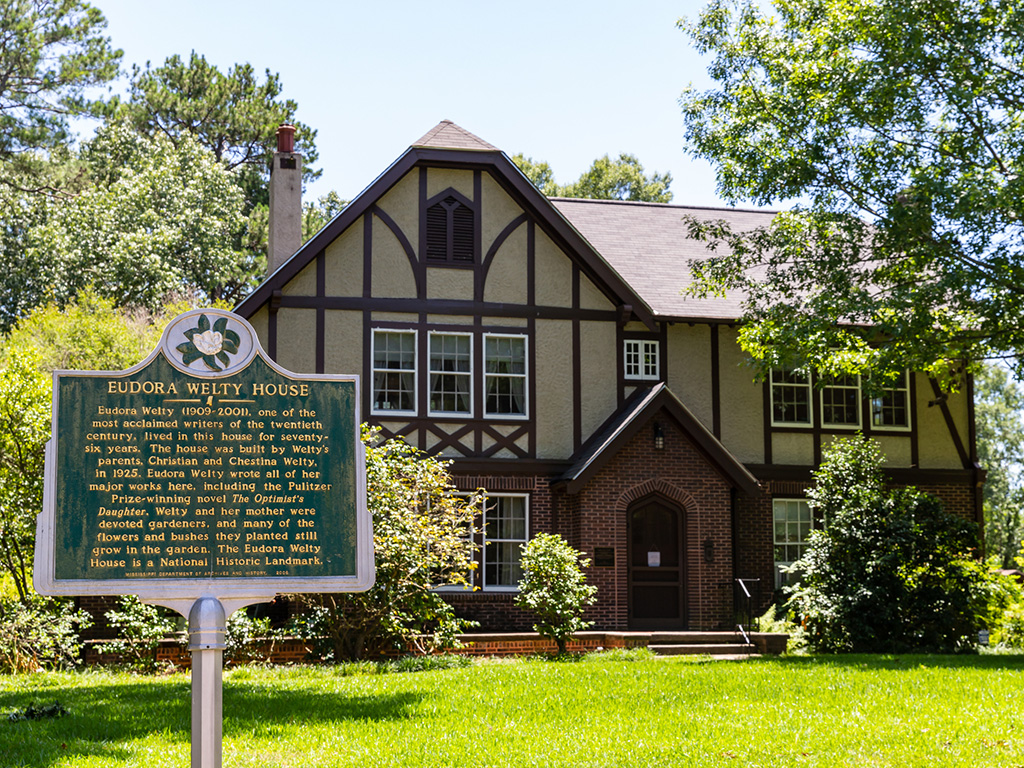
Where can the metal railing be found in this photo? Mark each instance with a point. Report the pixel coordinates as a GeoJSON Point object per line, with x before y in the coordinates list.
{"type": "Point", "coordinates": [746, 594]}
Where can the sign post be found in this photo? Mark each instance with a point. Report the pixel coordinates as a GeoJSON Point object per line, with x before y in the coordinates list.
{"type": "Point", "coordinates": [204, 479]}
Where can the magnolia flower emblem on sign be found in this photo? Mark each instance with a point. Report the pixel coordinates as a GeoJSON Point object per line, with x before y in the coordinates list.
{"type": "Point", "coordinates": [209, 343]}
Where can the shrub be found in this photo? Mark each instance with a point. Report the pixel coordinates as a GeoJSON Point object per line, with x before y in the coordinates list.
{"type": "Point", "coordinates": [422, 538]}
{"type": "Point", "coordinates": [141, 628]}
{"type": "Point", "coordinates": [40, 633]}
{"type": "Point", "coordinates": [554, 587]}
{"type": "Point", "coordinates": [892, 570]}
{"type": "Point", "coordinates": [245, 639]}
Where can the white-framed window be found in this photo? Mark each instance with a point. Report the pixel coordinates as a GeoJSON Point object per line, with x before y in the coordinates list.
{"type": "Point", "coordinates": [394, 372]}
{"type": "Point", "coordinates": [505, 375]}
{"type": "Point", "coordinates": [840, 402]}
{"type": "Point", "coordinates": [891, 409]}
{"type": "Point", "coordinates": [791, 397]}
{"type": "Point", "coordinates": [792, 522]}
{"type": "Point", "coordinates": [450, 369]}
{"type": "Point", "coordinates": [506, 527]}
{"type": "Point", "coordinates": [641, 359]}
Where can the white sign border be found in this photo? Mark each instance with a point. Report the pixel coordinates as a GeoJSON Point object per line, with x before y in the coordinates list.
{"type": "Point", "coordinates": [180, 594]}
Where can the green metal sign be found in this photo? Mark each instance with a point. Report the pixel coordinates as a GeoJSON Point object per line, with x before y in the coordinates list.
{"type": "Point", "coordinates": [206, 469]}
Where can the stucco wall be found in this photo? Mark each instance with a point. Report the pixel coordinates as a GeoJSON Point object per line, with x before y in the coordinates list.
{"type": "Point", "coordinates": [343, 263]}
{"type": "Point", "coordinates": [598, 379]}
{"type": "Point", "coordinates": [742, 401]}
{"type": "Point", "coordinates": [689, 368]}
{"type": "Point", "coordinates": [554, 390]}
{"type": "Point", "coordinates": [392, 275]}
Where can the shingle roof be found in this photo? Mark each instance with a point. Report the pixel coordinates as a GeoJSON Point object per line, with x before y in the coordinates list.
{"type": "Point", "coordinates": [649, 246]}
{"type": "Point", "coordinates": [448, 135]}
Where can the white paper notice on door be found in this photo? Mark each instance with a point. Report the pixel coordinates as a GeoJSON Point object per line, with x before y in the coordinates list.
{"type": "Point", "coordinates": [654, 559]}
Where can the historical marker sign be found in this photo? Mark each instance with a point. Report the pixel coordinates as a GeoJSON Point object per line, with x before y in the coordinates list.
{"type": "Point", "coordinates": [207, 469]}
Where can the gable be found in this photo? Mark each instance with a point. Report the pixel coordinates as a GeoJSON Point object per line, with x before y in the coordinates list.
{"type": "Point", "coordinates": [512, 217]}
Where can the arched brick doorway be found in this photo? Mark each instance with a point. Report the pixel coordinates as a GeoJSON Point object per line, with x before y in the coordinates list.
{"type": "Point", "coordinates": [656, 564]}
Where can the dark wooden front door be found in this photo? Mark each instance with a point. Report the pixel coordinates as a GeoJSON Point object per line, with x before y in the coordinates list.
{"type": "Point", "coordinates": [656, 567]}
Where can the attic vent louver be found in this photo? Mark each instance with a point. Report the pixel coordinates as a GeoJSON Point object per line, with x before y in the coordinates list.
{"type": "Point", "coordinates": [450, 231]}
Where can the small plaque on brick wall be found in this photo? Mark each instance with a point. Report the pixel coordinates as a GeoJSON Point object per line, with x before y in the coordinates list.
{"type": "Point", "coordinates": [604, 557]}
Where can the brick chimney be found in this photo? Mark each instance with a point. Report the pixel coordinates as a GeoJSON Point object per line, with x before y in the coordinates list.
{"type": "Point", "coordinates": [285, 200]}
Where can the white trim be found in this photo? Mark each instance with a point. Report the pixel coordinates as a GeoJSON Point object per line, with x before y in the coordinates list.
{"type": "Point", "coordinates": [525, 376]}
{"type": "Point", "coordinates": [645, 349]}
{"type": "Point", "coordinates": [180, 593]}
{"type": "Point", "coordinates": [468, 375]}
{"type": "Point", "coordinates": [845, 387]}
{"type": "Point", "coordinates": [414, 370]}
{"type": "Point", "coordinates": [771, 399]}
{"type": "Point", "coordinates": [787, 542]}
{"type": "Point", "coordinates": [483, 536]}
{"type": "Point", "coordinates": [910, 416]}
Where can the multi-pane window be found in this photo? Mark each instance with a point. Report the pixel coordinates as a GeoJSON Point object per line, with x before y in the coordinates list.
{"type": "Point", "coordinates": [891, 409]}
{"type": "Point", "coordinates": [840, 402]}
{"type": "Point", "coordinates": [791, 397]}
{"type": "Point", "coordinates": [451, 373]}
{"type": "Point", "coordinates": [641, 359]}
{"type": "Point", "coordinates": [506, 529]}
{"type": "Point", "coordinates": [394, 372]}
{"type": "Point", "coordinates": [504, 375]}
{"type": "Point", "coordinates": [792, 524]}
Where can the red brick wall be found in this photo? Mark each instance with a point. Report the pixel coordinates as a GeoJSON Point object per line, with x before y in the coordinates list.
{"type": "Point", "coordinates": [680, 475]}
{"type": "Point", "coordinates": [596, 517]}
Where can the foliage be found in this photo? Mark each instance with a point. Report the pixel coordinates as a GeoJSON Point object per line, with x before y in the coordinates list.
{"type": "Point", "coordinates": [52, 53]}
{"type": "Point", "coordinates": [781, 621]}
{"type": "Point", "coordinates": [89, 333]}
{"type": "Point", "coordinates": [892, 570]}
{"type": "Point", "coordinates": [235, 115]}
{"type": "Point", "coordinates": [422, 537]}
{"type": "Point", "coordinates": [160, 219]}
{"type": "Point", "coordinates": [243, 638]}
{"type": "Point", "coordinates": [39, 633]}
{"type": "Point", "coordinates": [999, 419]}
{"type": "Point", "coordinates": [606, 179]}
{"type": "Point", "coordinates": [317, 215]}
{"type": "Point", "coordinates": [140, 628]}
{"type": "Point", "coordinates": [24, 430]}
{"type": "Point", "coordinates": [897, 127]}
{"type": "Point", "coordinates": [554, 588]}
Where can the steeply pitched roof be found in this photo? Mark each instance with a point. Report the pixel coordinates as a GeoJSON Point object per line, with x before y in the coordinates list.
{"type": "Point", "coordinates": [649, 246]}
{"type": "Point", "coordinates": [448, 135]}
{"type": "Point", "coordinates": [435, 149]}
{"type": "Point", "coordinates": [638, 409]}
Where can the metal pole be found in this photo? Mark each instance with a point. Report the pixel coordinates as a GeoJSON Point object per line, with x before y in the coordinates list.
{"type": "Point", "coordinates": [206, 623]}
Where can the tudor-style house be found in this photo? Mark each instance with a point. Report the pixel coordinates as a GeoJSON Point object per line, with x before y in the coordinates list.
{"type": "Point", "coordinates": [545, 346]}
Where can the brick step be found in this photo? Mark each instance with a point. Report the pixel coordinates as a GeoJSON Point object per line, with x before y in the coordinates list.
{"type": "Point", "coordinates": [706, 638]}
{"type": "Point", "coordinates": [711, 649]}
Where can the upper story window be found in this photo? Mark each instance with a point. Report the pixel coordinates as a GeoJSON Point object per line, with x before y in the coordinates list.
{"type": "Point", "coordinates": [640, 359]}
{"type": "Point", "coordinates": [504, 375]}
{"type": "Point", "coordinates": [394, 372]}
{"type": "Point", "coordinates": [451, 224]}
{"type": "Point", "coordinates": [451, 373]}
{"type": "Point", "coordinates": [791, 397]}
{"type": "Point", "coordinates": [840, 402]}
{"type": "Point", "coordinates": [891, 409]}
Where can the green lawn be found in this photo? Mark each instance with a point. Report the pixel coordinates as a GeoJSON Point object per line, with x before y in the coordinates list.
{"type": "Point", "coordinates": [823, 711]}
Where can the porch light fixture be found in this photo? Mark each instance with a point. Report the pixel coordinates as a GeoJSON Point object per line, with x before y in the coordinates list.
{"type": "Point", "coordinates": [659, 437]}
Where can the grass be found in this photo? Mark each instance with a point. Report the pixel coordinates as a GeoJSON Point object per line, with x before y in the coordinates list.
{"type": "Point", "coordinates": [604, 711]}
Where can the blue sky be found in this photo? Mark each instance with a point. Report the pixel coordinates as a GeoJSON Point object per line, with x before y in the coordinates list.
{"type": "Point", "coordinates": [561, 81]}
